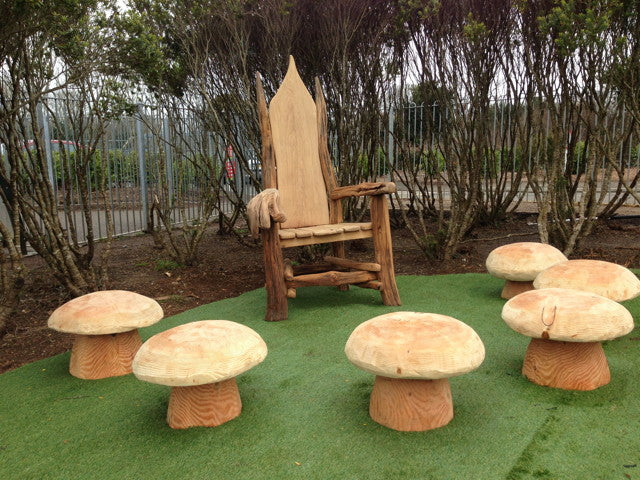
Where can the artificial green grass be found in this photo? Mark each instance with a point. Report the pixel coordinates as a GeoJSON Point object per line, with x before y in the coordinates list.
{"type": "Point", "coordinates": [305, 408]}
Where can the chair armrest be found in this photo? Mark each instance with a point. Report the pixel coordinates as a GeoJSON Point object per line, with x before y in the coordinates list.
{"type": "Point", "coordinates": [366, 188]}
{"type": "Point", "coordinates": [263, 209]}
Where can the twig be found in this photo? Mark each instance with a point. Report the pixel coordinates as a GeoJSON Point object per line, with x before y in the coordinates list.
{"type": "Point", "coordinates": [500, 238]}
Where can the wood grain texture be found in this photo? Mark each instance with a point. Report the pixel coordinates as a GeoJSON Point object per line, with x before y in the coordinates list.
{"type": "Point", "coordinates": [384, 250]}
{"type": "Point", "coordinates": [362, 189]}
{"type": "Point", "coordinates": [307, 268]}
{"type": "Point", "coordinates": [105, 312]}
{"type": "Point", "coordinates": [411, 405]}
{"type": "Point", "coordinates": [566, 365]}
{"type": "Point", "coordinates": [331, 183]}
{"type": "Point", "coordinates": [206, 405]}
{"type": "Point", "coordinates": [330, 279]}
{"type": "Point", "coordinates": [415, 345]}
{"type": "Point", "coordinates": [268, 158]}
{"type": "Point", "coordinates": [511, 288]}
{"type": "Point", "coordinates": [339, 251]}
{"type": "Point", "coordinates": [292, 113]}
{"type": "Point", "coordinates": [288, 269]}
{"type": "Point", "coordinates": [373, 284]}
{"type": "Point", "coordinates": [103, 356]}
{"type": "Point", "coordinates": [346, 263]}
{"type": "Point", "coordinates": [522, 261]}
{"type": "Point", "coordinates": [277, 308]}
{"type": "Point", "coordinates": [567, 315]}
{"type": "Point", "coordinates": [323, 141]}
{"type": "Point", "coordinates": [324, 230]}
{"type": "Point", "coordinates": [263, 210]}
{"type": "Point", "coordinates": [596, 276]}
{"type": "Point", "coordinates": [336, 237]}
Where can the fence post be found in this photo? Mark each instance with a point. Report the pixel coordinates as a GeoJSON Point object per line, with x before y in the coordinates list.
{"type": "Point", "coordinates": [142, 168]}
{"type": "Point", "coordinates": [43, 121]}
{"type": "Point", "coordinates": [390, 155]}
{"type": "Point", "coordinates": [168, 160]}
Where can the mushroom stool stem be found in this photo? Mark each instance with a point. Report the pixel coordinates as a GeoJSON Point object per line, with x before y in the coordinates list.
{"type": "Point", "coordinates": [566, 365]}
{"type": "Point", "coordinates": [207, 405]}
{"type": "Point", "coordinates": [102, 356]}
{"type": "Point", "coordinates": [512, 288]}
{"type": "Point", "coordinates": [411, 405]}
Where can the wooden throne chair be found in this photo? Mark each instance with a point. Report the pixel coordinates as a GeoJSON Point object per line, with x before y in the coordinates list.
{"type": "Point", "coordinates": [301, 202]}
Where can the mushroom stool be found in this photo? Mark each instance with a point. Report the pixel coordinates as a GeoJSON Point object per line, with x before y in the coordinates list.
{"type": "Point", "coordinates": [412, 355]}
{"type": "Point", "coordinates": [519, 263]}
{"type": "Point", "coordinates": [566, 327]}
{"type": "Point", "coordinates": [602, 278]}
{"type": "Point", "coordinates": [105, 325]}
{"type": "Point", "coordinates": [200, 361]}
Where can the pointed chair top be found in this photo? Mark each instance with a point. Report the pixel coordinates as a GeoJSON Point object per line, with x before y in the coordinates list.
{"type": "Point", "coordinates": [293, 119]}
{"type": "Point", "coordinates": [292, 85]}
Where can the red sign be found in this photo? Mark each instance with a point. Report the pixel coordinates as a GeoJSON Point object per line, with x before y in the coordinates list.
{"type": "Point", "coordinates": [230, 168]}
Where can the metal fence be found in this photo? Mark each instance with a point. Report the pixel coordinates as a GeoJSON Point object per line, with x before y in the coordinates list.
{"type": "Point", "coordinates": [414, 137]}
{"type": "Point", "coordinates": [145, 156]}
{"type": "Point", "coordinates": [155, 155]}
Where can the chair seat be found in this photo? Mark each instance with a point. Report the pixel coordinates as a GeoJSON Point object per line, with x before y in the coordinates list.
{"type": "Point", "coordinates": [292, 237]}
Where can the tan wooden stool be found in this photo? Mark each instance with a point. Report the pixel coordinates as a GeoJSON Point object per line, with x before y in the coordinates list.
{"type": "Point", "coordinates": [566, 327]}
{"type": "Point", "coordinates": [105, 325]}
{"type": "Point", "coordinates": [412, 355]}
{"type": "Point", "coordinates": [200, 360]}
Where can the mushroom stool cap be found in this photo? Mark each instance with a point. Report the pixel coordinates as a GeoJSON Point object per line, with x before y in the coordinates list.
{"type": "Point", "coordinates": [105, 312]}
{"type": "Point", "coordinates": [522, 261]}
{"type": "Point", "coordinates": [603, 278]}
{"type": "Point", "coordinates": [567, 315]}
{"type": "Point", "coordinates": [415, 345]}
{"type": "Point", "coordinates": [197, 353]}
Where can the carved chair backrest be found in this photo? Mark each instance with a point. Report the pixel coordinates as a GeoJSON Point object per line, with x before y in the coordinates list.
{"type": "Point", "coordinates": [294, 129]}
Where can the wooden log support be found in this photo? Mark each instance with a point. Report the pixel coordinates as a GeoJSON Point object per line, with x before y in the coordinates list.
{"type": "Point", "coordinates": [316, 240]}
{"type": "Point", "coordinates": [411, 405]}
{"type": "Point", "coordinates": [277, 308]}
{"type": "Point", "coordinates": [346, 263]}
{"type": "Point", "coordinates": [566, 365]}
{"type": "Point", "coordinates": [330, 279]}
{"type": "Point", "coordinates": [339, 252]}
{"type": "Point", "coordinates": [312, 268]}
{"type": "Point", "coordinates": [331, 183]}
{"type": "Point", "coordinates": [323, 143]}
{"type": "Point", "coordinates": [268, 157]}
{"type": "Point", "coordinates": [288, 270]}
{"type": "Point", "coordinates": [362, 189]}
{"type": "Point", "coordinates": [206, 405]}
{"type": "Point", "coordinates": [291, 293]}
{"type": "Point", "coordinates": [103, 356]}
{"type": "Point", "coordinates": [373, 284]}
{"type": "Point", "coordinates": [383, 250]}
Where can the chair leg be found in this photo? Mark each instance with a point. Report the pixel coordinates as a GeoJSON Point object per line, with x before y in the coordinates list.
{"type": "Point", "coordinates": [383, 249]}
{"type": "Point", "coordinates": [339, 251]}
{"type": "Point", "coordinates": [277, 308]}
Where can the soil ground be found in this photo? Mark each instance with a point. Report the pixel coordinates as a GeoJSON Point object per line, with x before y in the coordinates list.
{"type": "Point", "coordinates": [228, 268]}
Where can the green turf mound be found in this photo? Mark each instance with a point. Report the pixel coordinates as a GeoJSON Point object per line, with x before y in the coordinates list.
{"type": "Point", "coordinates": [305, 408]}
